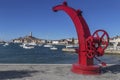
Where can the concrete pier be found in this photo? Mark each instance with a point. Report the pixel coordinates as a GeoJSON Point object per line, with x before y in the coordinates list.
{"type": "Point", "coordinates": [72, 50]}
{"type": "Point", "coordinates": [53, 72]}
{"type": "Point", "coordinates": [69, 50]}
{"type": "Point", "coordinates": [112, 51]}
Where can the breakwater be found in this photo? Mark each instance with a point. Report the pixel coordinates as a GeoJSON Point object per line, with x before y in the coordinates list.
{"type": "Point", "coordinates": [72, 50]}
{"type": "Point", "coordinates": [112, 51]}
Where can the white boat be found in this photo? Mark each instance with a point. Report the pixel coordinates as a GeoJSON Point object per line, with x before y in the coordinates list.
{"type": "Point", "coordinates": [71, 46]}
{"type": "Point", "coordinates": [53, 48]}
{"type": "Point", "coordinates": [27, 46]}
{"type": "Point", "coordinates": [40, 44]}
{"type": "Point", "coordinates": [47, 45]}
{"type": "Point", "coordinates": [21, 45]}
{"type": "Point", "coordinates": [6, 44]}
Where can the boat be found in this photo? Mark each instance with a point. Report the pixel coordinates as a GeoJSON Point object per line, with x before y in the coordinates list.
{"type": "Point", "coordinates": [72, 50]}
{"type": "Point", "coordinates": [71, 46]}
{"type": "Point", "coordinates": [6, 44]}
{"type": "Point", "coordinates": [32, 43]}
{"type": "Point", "coordinates": [21, 45]}
{"type": "Point", "coordinates": [53, 48]}
{"type": "Point", "coordinates": [47, 45]}
{"type": "Point", "coordinates": [27, 46]}
{"type": "Point", "coordinates": [40, 45]}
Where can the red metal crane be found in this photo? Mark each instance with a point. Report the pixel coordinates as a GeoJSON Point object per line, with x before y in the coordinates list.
{"type": "Point", "coordinates": [90, 46]}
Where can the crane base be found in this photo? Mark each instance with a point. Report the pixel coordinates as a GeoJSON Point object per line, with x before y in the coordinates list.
{"type": "Point", "coordinates": [86, 70]}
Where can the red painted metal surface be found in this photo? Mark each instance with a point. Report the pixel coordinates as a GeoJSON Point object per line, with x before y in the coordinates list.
{"type": "Point", "coordinates": [89, 45]}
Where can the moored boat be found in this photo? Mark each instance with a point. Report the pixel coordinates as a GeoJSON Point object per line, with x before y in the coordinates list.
{"type": "Point", "coordinates": [71, 46]}
{"type": "Point", "coordinates": [53, 48]}
{"type": "Point", "coordinates": [47, 45]}
{"type": "Point", "coordinates": [6, 44]}
{"type": "Point", "coordinates": [27, 46]}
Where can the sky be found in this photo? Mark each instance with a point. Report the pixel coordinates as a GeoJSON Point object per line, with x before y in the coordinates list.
{"type": "Point", "coordinates": [20, 17]}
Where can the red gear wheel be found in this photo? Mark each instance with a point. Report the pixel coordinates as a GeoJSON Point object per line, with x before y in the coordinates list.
{"type": "Point", "coordinates": [90, 47]}
{"type": "Point", "coordinates": [102, 37]}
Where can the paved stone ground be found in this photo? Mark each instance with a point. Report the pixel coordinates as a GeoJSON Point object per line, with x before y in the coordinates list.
{"type": "Point", "coordinates": [53, 72]}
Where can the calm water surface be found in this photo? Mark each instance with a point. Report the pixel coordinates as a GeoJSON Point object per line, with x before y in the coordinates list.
{"type": "Point", "coordinates": [16, 54]}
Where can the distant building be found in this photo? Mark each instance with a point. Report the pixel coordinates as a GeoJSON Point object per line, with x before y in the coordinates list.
{"type": "Point", "coordinates": [19, 40]}
{"type": "Point", "coordinates": [114, 43]}
{"type": "Point", "coordinates": [55, 42]}
{"type": "Point", "coordinates": [72, 41]}
{"type": "Point", "coordinates": [75, 41]}
{"type": "Point", "coordinates": [43, 41]}
{"type": "Point", "coordinates": [63, 41]}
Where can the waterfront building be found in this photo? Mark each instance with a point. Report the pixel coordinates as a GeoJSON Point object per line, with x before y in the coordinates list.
{"type": "Point", "coordinates": [75, 41]}
{"type": "Point", "coordinates": [63, 42]}
{"type": "Point", "coordinates": [114, 43]}
{"type": "Point", "coordinates": [19, 40]}
{"type": "Point", "coordinates": [55, 42]}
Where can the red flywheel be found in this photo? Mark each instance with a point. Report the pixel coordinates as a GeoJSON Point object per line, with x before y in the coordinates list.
{"type": "Point", "coordinates": [102, 37]}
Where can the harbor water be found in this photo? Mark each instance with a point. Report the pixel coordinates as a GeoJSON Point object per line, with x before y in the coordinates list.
{"type": "Point", "coordinates": [15, 54]}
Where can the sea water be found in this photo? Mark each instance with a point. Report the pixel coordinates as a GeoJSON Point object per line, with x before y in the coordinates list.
{"type": "Point", "coordinates": [13, 53]}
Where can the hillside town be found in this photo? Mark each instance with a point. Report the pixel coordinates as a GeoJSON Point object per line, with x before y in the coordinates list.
{"type": "Point", "coordinates": [32, 39]}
